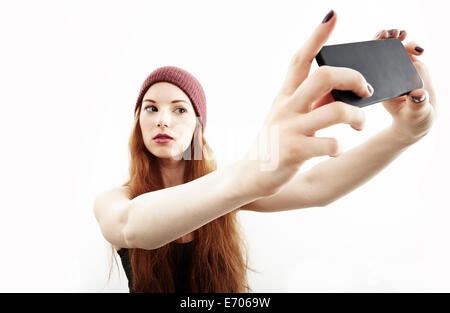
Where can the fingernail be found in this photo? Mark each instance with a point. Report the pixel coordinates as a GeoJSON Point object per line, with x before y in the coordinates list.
{"type": "Point", "coordinates": [401, 32]}
{"type": "Point", "coordinates": [419, 99]}
{"type": "Point", "coordinates": [370, 88]}
{"type": "Point", "coordinates": [328, 17]}
{"type": "Point", "coordinates": [419, 49]}
{"type": "Point", "coordinates": [390, 32]}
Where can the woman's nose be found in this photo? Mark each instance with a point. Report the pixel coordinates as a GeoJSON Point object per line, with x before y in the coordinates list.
{"type": "Point", "coordinates": [164, 118]}
{"type": "Point", "coordinates": [162, 123]}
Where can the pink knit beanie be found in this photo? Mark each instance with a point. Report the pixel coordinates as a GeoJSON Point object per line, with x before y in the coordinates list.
{"type": "Point", "coordinates": [185, 81]}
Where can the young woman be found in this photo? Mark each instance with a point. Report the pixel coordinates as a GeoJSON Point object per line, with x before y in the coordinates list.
{"type": "Point", "coordinates": [173, 222]}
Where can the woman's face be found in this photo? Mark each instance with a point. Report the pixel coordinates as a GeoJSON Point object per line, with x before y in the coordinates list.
{"type": "Point", "coordinates": [170, 111]}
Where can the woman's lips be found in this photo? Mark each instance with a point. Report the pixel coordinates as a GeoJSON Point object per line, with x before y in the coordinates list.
{"type": "Point", "coordinates": [162, 140]}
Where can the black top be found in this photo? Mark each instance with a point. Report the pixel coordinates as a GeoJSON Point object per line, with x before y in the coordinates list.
{"type": "Point", "coordinates": [182, 259]}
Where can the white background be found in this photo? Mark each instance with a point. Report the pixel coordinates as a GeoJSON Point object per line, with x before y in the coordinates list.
{"type": "Point", "coordinates": [70, 74]}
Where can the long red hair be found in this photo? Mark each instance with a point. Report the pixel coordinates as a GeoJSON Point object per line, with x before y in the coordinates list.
{"type": "Point", "coordinates": [218, 261]}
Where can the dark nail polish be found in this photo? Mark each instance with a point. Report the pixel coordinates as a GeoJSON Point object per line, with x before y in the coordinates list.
{"type": "Point", "coordinates": [390, 32]}
{"type": "Point", "coordinates": [370, 88]}
{"type": "Point", "coordinates": [401, 32]}
{"type": "Point", "coordinates": [418, 99]}
{"type": "Point", "coordinates": [328, 17]}
{"type": "Point", "coordinates": [419, 49]}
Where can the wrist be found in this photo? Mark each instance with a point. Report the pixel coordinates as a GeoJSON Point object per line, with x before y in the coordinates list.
{"type": "Point", "coordinates": [241, 183]}
{"type": "Point", "coordinates": [401, 138]}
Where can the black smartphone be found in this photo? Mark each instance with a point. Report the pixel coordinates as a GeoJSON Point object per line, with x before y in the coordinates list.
{"type": "Point", "coordinates": [384, 63]}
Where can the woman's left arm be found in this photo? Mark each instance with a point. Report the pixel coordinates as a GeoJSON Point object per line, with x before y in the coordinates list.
{"type": "Point", "coordinates": [413, 116]}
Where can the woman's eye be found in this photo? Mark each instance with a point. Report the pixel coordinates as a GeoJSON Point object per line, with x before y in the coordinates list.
{"type": "Point", "coordinates": [152, 106]}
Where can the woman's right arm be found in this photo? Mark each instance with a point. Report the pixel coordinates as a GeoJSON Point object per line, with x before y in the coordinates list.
{"type": "Point", "coordinates": [156, 218]}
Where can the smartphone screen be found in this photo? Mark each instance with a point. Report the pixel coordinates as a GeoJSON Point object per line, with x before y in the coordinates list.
{"type": "Point", "coordinates": [384, 63]}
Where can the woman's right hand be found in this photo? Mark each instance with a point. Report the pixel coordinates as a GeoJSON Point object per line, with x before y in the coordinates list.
{"type": "Point", "coordinates": [303, 106]}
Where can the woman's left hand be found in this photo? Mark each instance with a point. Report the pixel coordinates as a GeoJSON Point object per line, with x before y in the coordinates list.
{"type": "Point", "coordinates": [413, 114]}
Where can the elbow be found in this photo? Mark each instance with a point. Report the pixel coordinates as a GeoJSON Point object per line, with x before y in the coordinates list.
{"type": "Point", "coordinates": [129, 237]}
{"type": "Point", "coordinates": [128, 231]}
{"type": "Point", "coordinates": [137, 235]}
{"type": "Point", "coordinates": [135, 240]}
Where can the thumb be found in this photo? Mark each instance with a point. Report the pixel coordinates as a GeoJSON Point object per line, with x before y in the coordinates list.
{"type": "Point", "coordinates": [417, 99]}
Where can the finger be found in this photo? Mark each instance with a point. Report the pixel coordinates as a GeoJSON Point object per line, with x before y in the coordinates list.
{"type": "Point", "coordinates": [382, 34]}
{"type": "Point", "coordinates": [328, 98]}
{"type": "Point", "coordinates": [320, 146]}
{"type": "Point", "coordinates": [394, 105]}
{"type": "Point", "coordinates": [418, 100]}
{"type": "Point", "coordinates": [427, 83]}
{"type": "Point", "coordinates": [402, 35]}
{"type": "Point", "coordinates": [330, 114]}
{"type": "Point", "coordinates": [303, 58]}
{"type": "Point", "coordinates": [377, 35]}
{"type": "Point", "coordinates": [325, 79]}
{"type": "Point", "coordinates": [392, 33]}
{"type": "Point", "coordinates": [414, 50]}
